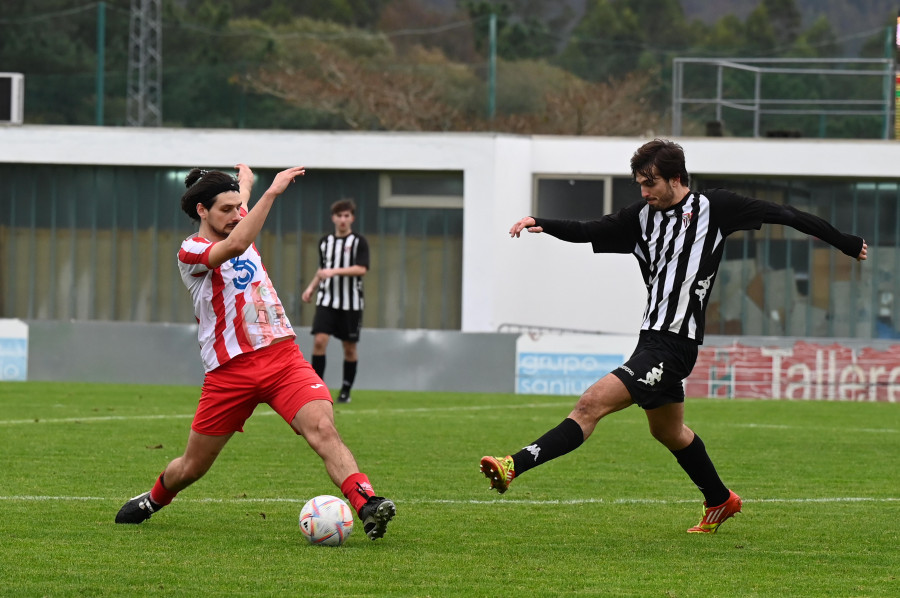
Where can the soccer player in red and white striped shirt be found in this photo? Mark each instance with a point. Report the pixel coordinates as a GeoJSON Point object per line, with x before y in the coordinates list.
{"type": "Point", "coordinates": [248, 349]}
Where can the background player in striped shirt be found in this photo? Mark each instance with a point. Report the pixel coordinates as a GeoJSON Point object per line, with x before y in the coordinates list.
{"type": "Point", "coordinates": [343, 261]}
{"type": "Point", "coordinates": [678, 238]}
{"type": "Point", "coordinates": [248, 349]}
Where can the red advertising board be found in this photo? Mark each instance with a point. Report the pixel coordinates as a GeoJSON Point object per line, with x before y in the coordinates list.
{"type": "Point", "coordinates": [804, 370]}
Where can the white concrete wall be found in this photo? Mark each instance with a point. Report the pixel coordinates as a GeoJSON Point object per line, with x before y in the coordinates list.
{"type": "Point", "coordinates": [535, 280]}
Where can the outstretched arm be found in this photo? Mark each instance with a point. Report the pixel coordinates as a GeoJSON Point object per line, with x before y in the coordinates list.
{"type": "Point", "coordinates": [248, 228]}
{"type": "Point", "coordinates": [572, 231]}
{"type": "Point", "coordinates": [805, 222]}
{"type": "Point", "coordinates": [607, 235]}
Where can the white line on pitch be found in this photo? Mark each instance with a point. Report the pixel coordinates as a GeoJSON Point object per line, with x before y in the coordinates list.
{"type": "Point", "coordinates": [414, 410]}
{"type": "Point", "coordinates": [787, 427]}
{"type": "Point", "coordinates": [105, 418]}
{"type": "Point", "coordinates": [95, 418]}
{"type": "Point", "coordinates": [496, 501]}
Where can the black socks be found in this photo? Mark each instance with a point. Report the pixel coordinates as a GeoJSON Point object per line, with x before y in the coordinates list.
{"type": "Point", "coordinates": [564, 438]}
{"type": "Point", "coordinates": [349, 375]}
{"type": "Point", "coordinates": [568, 436]}
{"type": "Point", "coordinates": [318, 364]}
{"type": "Point", "coordinates": [696, 463]}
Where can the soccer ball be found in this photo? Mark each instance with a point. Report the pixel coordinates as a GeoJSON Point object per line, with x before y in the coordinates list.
{"type": "Point", "coordinates": [326, 520]}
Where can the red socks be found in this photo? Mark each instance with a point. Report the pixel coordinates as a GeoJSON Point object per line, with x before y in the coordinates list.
{"type": "Point", "coordinates": [357, 489]}
{"type": "Point", "coordinates": [159, 494]}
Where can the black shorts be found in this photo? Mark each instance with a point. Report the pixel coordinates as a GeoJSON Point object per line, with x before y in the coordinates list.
{"type": "Point", "coordinates": [655, 371]}
{"type": "Point", "coordinates": [339, 323]}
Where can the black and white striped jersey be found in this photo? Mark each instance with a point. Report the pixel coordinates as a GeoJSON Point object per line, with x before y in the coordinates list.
{"type": "Point", "coordinates": [679, 249]}
{"type": "Point", "coordinates": [342, 292]}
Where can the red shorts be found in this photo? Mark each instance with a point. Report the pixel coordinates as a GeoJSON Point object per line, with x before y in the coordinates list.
{"type": "Point", "coordinates": [277, 375]}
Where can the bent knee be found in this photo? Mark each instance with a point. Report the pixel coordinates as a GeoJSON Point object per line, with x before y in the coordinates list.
{"type": "Point", "coordinates": [319, 432]}
{"type": "Point", "coordinates": [601, 399]}
{"type": "Point", "coordinates": [664, 436]}
{"type": "Point", "coordinates": [671, 438]}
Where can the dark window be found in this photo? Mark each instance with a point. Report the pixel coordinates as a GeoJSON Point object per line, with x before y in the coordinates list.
{"type": "Point", "coordinates": [570, 199]}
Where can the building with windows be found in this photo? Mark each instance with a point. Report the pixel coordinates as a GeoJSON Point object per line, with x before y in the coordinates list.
{"type": "Point", "coordinates": [90, 223]}
{"type": "Point", "coordinates": [90, 219]}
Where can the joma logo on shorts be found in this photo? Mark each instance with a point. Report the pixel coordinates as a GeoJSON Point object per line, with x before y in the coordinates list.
{"type": "Point", "coordinates": [653, 376]}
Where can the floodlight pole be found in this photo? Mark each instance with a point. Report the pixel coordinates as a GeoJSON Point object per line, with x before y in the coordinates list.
{"type": "Point", "coordinates": [144, 96]}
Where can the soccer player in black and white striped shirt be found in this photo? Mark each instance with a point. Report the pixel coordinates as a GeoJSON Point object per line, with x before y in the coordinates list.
{"type": "Point", "coordinates": [678, 238]}
{"type": "Point", "coordinates": [343, 261]}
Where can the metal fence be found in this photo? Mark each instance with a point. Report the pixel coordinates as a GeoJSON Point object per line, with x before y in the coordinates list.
{"type": "Point", "coordinates": [758, 97]}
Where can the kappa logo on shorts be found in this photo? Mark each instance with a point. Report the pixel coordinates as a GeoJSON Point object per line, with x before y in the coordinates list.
{"type": "Point", "coordinates": [653, 376]}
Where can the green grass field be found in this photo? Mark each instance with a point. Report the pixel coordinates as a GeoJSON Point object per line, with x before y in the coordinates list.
{"type": "Point", "coordinates": [819, 481]}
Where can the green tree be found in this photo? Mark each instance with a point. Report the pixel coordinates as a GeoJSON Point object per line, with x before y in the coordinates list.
{"type": "Point", "coordinates": [759, 34]}
{"type": "Point", "coordinates": [881, 44]}
{"type": "Point", "coordinates": [617, 37]}
{"type": "Point", "coordinates": [818, 41]}
{"type": "Point", "coordinates": [416, 23]}
{"type": "Point", "coordinates": [605, 43]}
{"type": "Point", "coordinates": [785, 19]}
{"type": "Point", "coordinates": [358, 13]}
{"type": "Point", "coordinates": [518, 38]}
{"type": "Point", "coordinates": [726, 37]}
{"type": "Point", "coordinates": [55, 46]}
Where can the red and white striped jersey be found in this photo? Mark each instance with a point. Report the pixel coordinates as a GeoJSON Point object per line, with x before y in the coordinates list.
{"type": "Point", "coordinates": [236, 306]}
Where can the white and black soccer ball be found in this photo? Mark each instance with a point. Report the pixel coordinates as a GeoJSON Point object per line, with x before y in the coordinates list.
{"type": "Point", "coordinates": [326, 520]}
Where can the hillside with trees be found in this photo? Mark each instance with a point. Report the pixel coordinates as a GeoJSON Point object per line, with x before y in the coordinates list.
{"type": "Point", "coordinates": [853, 16]}
{"type": "Point", "coordinates": [602, 67]}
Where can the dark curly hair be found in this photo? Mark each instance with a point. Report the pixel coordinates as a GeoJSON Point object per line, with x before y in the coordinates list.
{"type": "Point", "coordinates": [668, 158]}
{"type": "Point", "coordinates": [343, 205]}
{"type": "Point", "coordinates": [202, 187]}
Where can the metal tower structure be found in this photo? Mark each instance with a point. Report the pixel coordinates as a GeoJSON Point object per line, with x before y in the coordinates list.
{"type": "Point", "coordinates": [144, 97]}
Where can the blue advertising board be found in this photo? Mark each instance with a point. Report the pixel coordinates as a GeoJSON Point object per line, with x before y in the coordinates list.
{"type": "Point", "coordinates": [13, 350]}
{"type": "Point", "coordinates": [562, 364]}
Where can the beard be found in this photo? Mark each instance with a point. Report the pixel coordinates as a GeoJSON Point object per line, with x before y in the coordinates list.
{"type": "Point", "coordinates": [225, 231]}
{"type": "Point", "coordinates": [666, 200]}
